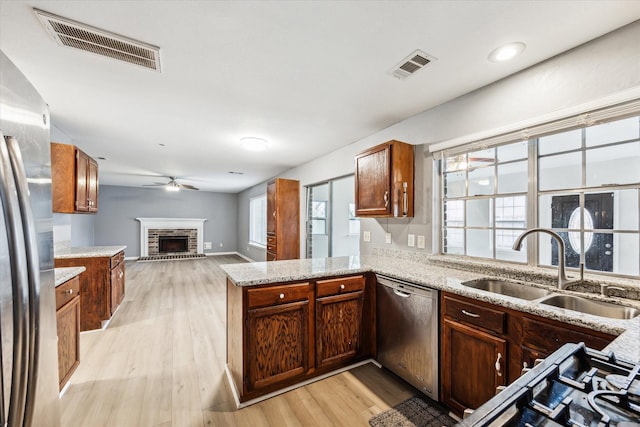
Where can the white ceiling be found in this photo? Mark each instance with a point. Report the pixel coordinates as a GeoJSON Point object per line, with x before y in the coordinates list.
{"type": "Point", "coordinates": [308, 76]}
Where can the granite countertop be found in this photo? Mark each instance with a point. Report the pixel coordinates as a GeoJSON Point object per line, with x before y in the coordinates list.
{"type": "Point", "coordinates": [88, 252]}
{"type": "Point", "coordinates": [437, 272]}
{"type": "Point", "coordinates": [64, 274]}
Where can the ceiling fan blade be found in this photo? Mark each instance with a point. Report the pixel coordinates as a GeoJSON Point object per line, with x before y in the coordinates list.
{"type": "Point", "coordinates": [157, 184]}
{"type": "Point", "coordinates": [188, 187]}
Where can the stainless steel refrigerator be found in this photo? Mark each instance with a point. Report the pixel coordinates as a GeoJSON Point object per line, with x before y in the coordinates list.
{"type": "Point", "coordinates": [29, 356]}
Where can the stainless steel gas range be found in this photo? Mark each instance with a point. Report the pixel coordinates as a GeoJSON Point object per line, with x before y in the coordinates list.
{"type": "Point", "coordinates": [575, 386]}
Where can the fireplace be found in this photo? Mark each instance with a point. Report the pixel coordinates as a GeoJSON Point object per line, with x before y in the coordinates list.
{"type": "Point", "coordinates": [183, 235]}
{"type": "Point", "coordinates": [173, 244]}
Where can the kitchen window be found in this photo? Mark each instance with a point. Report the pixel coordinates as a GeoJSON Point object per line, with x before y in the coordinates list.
{"type": "Point", "coordinates": [258, 221]}
{"type": "Point", "coordinates": [584, 183]}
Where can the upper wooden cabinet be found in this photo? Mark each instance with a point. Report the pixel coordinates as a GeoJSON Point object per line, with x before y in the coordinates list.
{"type": "Point", "coordinates": [384, 180]}
{"type": "Point", "coordinates": [74, 180]}
{"type": "Point", "coordinates": [283, 219]}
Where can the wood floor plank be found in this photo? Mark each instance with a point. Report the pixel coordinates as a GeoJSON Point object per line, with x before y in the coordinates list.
{"type": "Point", "coordinates": [160, 363]}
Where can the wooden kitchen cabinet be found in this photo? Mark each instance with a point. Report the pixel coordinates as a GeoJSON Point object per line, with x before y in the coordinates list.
{"type": "Point", "coordinates": [283, 219]}
{"type": "Point", "coordinates": [68, 326]}
{"type": "Point", "coordinates": [475, 333]}
{"type": "Point", "coordinates": [339, 325]}
{"type": "Point", "coordinates": [74, 180]}
{"type": "Point", "coordinates": [282, 334]}
{"type": "Point", "coordinates": [474, 354]}
{"type": "Point", "coordinates": [384, 180]}
{"type": "Point", "coordinates": [102, 287]}
{"type": "Point", "coordinates": [277, 340]}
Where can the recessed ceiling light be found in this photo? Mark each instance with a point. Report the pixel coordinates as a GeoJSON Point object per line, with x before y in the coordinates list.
{"type": "Point", "coordinates": [102, 158]}
{"type": "Point", "coordinates": [236, 173]}
{"type": "Point", "coordinates": [253, 144]}
{"type": "Point", "coordinates": [506, 52]}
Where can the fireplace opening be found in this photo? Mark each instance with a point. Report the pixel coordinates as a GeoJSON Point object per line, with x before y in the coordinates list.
{"type": "Point", "coordinates": [173, 244]}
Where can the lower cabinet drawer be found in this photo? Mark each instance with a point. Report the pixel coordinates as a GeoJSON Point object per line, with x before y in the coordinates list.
{"type": "Point", "coordinates": [277, 295]}
{"type": "Point", "coordinates": [339, 286]}
{"type": "Point", "coordinates": [474, 314]}
{"type": "Point", "coordinates": [67, 291]}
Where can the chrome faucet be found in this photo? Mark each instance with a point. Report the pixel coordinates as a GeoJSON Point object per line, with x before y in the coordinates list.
{"type": "Point", "coordinates": [563, 281]}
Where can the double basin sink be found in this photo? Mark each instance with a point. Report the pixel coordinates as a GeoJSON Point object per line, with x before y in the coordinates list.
{"type": "Point", "coordinates": [548, 297]}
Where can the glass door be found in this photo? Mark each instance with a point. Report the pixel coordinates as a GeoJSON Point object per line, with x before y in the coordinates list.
{"type": "Point", "coordinates": [332, 228]}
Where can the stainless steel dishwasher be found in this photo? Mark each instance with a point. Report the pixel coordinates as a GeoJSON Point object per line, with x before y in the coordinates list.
{"type": "Point", "coordinates": [407, 325]}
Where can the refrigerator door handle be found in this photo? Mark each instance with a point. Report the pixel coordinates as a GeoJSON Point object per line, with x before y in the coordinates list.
{"type": "Point", "coordinates": [19, 284]}
{"type": "Point", "coordinates": [33, 272]}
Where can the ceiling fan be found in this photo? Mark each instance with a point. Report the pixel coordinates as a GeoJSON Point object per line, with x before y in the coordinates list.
{"type": "Point", "coordinates": [172, 185]}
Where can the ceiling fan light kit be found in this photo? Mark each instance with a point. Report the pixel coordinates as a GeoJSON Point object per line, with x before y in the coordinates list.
{"type": "Point", "coordinates": [253, 144]}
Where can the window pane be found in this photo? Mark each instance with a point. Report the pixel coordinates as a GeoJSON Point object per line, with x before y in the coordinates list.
{"type": "Point", "coordinates": [621, 130]}
{"type": "Point", "coordinates": [482, 158]}
{"type": "Point", "coordinates": [258, 220]}
{"type": "Point", "coordinates": [546, 213]}
{"type": "Point", "coordinates": [513, 178]}
{"type": "Point", "coordinates": [453, 241]}
{"type": "Point", "coordinates": [511, 212]}
{"type": "Point", "coordinates": [454, 213]}
{"type": "Point", "coordinates": [558, 142]}
{"type": "Point", "coordinates": [561, 171]}
{"type": "Point", "coordinates": [481, 181]}
{"type": "Point", "coordinates": [625, 261]}
{"type": "Point", "coordinates": [504, 246]}
{"type": "Point", "coordinates": [479, 213]}
{"type": "Point", "coordinates": [454, 184]}
{"type": "Point", "coordinates": [455, 163]}
{"type": "Point", "coordinates": [617, 164]}
{"type": "Point", "coordinates": [479, 243]}
{"type": "Point", "coordinates": [625, 210]}
{"type": "Point", "coordinates": [515, 151]}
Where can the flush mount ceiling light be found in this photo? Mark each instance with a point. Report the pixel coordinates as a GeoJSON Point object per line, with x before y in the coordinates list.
{"type": "Point", "coordinates": [253, 144]}
{"type": "Point", "coordinates": [506, 52]}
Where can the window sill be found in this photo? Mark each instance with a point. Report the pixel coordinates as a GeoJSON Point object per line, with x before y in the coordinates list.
{"type": "Point", "coordinates": [257, 245]}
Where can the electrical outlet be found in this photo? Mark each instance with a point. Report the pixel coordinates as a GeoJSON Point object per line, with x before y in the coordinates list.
{"type": "Point", "coordinates": [420, 242]}
{"type": "Point", "coordinates": [221, 244]}
{"type": "Point", "coordinates": [207, 245]}
{"type": "Point", "coordinates": [387, 237]}
{"type": "Point", "coordinates": [366, 236]}
{"type": "Point", "coordinates": [411, 240]}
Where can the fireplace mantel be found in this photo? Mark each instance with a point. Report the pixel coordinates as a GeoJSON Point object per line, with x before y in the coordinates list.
{"type": "Point", "coordinates": [147, 224]}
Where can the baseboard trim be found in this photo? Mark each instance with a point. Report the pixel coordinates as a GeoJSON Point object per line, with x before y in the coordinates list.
{"type": "Point", "coordinates": [240, 405]}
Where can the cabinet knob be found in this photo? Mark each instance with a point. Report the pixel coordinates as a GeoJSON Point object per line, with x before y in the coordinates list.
{"type": "Point", "coordinates": [281, 296]}
{"type": "Point", "coordinates": [69, 291]}
{"type": "Point", "coordinates": [341, 287]}
{"type": "Point", "coordinates": [386, 199]}
{"type": "Point", "coordinates": [498, 366]}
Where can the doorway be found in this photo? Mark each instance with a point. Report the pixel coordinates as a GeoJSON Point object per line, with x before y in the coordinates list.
{"type": "Point", "coordinates": [332, 228]}
{"type": "Point", "coordinates": [598, 215]}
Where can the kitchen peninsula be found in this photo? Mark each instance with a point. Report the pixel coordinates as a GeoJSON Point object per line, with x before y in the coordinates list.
{"type": "Point", "coordinates": [102, 286]}
{"type": "Point", "coordinates": [443, 273]}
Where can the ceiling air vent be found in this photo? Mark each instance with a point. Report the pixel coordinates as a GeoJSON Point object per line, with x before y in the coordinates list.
{"type": "Point", "coordinates": [412, 63]}
{"type": "Point", "coordinates": [77, 35]}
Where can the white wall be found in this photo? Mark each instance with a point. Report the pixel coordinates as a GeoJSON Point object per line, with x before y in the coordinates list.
{"type": "Point", "coordinates": [596, 70]}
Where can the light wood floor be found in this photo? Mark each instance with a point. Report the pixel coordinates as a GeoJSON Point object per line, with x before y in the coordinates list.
{"type": "Point", "coordinates": [160, 362]}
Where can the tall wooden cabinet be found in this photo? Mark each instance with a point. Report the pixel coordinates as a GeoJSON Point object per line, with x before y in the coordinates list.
{"type": "Point", "coordinates": [384, 177]}
{"type": "Point", "coordinates": [283, 219]}
{"type": "Point", "coordinates": [74, 180]}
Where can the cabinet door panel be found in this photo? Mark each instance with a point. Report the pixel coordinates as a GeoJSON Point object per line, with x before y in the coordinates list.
{"type": "Point", "coordinates": [82, 171]}
{"type": "Point", "coordinates": [469, 357]}
{"type": "Point", "coordinates": [373, 182]}
{"type": "Point", "coordinates": [68, 323]}
{"type": "Point", "coordinates": [277, 343]}
{"type": "Point", "coordinates": [92, 185]}
{"type": "Point", "coordinates": [338, 327]}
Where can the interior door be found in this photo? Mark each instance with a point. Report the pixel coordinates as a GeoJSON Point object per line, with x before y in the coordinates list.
{"type": "Point", "coordinates": [598, 215]}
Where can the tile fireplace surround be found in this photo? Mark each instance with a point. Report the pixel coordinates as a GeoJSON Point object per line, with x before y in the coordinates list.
{"type": "Point", "coordinates": [151, 228]}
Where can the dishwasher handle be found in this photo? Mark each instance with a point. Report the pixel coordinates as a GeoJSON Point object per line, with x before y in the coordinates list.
{"type": "Point", "coordinates": [401, 294]}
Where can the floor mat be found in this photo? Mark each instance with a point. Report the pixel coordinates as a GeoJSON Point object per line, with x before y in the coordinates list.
{"type": "Point", "coordinates": [414, 412]}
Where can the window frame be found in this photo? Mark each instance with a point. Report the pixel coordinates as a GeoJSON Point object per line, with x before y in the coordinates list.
{"type": "Point", "coordinates": [533, 194]}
